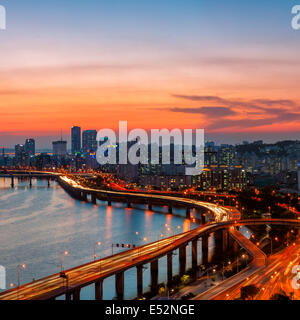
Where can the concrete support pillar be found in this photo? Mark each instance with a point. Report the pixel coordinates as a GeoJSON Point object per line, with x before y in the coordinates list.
{"type": "Point", "coordinates": [68, 296]}
{"type": "Point", "coordinates": [205, 249]}
{"type": "Point", "coordinates": [195, 255]}
{"type": "Point", "coordinates": [170, 267]}
{"type": "Point", "coordinates": [188, 213]}
{"type": "Point", "coordinates": [218, 242]}
{"type": "Point", "coordinates": [12, 182]}
{"type": "Point", "coordinates": [120, 285]}
{"type": "Point", "coordinates": [139, 281]}
{"type": "Point", "coordinates": [203, 218]}
{"type": "Point", "coordinates": [48, 182]}
{"type": "Point", "coordinates": [30, 182]}
{"type": "Point", "coordinates": [84, 196]}
{"type": "Point", "coordinates": [149, 206]}
{"type": "Point", "coordinates": [76, 294]}
{"type": "Point", "coordinates": [225, 240]}
{"type": "Point", "coordinates": [77, 195]}
{"type": "Point", "coordinates": [128, 204]}
{"type": "Point", "coordinates": [99, 290]}
{"type": "Point", "coordinates": [154, 276]}
{"type": "Point", "coordinates": [94, 199]}
{"type": "Point", "coordinates": [182, 260]}
{"type": "Point", "coordinates": [108, 202]}
{"type": "Point", "coordinates": [230, 242]}
{"type": "Point", "coordinates": [236, 247]}
{"type": "Point", "coordinates": [170, 209]}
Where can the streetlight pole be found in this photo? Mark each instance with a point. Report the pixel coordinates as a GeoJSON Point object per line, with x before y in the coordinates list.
{"type": "Point", "coordinates": [97, 244]}
{"type": "Point", "coordinates": [20, 267]}
{"type": "Point", "coordinates": [61, 260]}
{"type": "Point", "coordinates": [140, 244]}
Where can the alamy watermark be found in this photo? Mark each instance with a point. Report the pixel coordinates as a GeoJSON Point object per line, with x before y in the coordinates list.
{"type": "Point", "coordinates": [2, 278]}
{"type": "Point", "coordinates": [135, 147]}
{"type": "Point", "coordinates": [296, 19]}
{"type": "Point", "coordinates": [2, 18]}
{"type": "Point", "coordinates": [296, 278]}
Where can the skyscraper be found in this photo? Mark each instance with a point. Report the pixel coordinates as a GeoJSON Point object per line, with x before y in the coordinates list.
{"type": "Point", "coordinates": [20, 155]}
{"type": "Point", "coordinates": [89, 142]}
{"type": "Point", "coordinates": [30, 147]}
{"type": "Point", "coordinates": [59, 148]}
{"type": "Point", "coordinates": [76, 139]}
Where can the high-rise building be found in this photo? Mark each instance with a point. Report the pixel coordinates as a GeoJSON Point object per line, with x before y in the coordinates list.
{"type": "Point", "coordinates": [20, 155]}
{"type": "Point", "coordinates": [89, 142]}
{"type": "Point", "coordinates": [76, 139]}
{"type": "Point", "coordinates": [59, 148]}
{"type": "Point", "coordinates": [2, 158]}
{"type": "Point", "coordinates": [30, 147]}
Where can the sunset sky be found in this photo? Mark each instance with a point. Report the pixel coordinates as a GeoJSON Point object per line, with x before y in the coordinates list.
{"type": "Point", "coordinates": [230, 67]}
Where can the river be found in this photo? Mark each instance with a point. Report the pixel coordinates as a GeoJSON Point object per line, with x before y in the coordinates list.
{"type": "Point", "coordinates": [38, 224]}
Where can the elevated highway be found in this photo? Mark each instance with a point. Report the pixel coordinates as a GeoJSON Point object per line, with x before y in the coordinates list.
{"type": "Point", "coordinates": [95, 272]}
{"type": "Point", "coordinates": [258, 262]}
{"type": "Point", "coordinates": [218, 213]}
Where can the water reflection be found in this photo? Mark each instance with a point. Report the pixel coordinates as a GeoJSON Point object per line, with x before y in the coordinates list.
{"type": "Point", "coordinates": [38, 224]}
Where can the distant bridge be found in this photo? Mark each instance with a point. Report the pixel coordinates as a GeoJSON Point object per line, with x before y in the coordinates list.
{"type": "Point", "coordinates": [218, 213]}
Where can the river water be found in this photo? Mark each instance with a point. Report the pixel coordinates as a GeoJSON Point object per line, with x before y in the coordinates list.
{"type": "Point", "coordinates": [38, 224]}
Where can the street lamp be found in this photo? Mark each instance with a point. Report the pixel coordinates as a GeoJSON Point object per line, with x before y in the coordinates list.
{"type": "Point", "coordinates": [229, 262]}
{"type": "Point", "coordinates": [95, 246]}
{"type": "Point", "coordinates": [139, 248]}
{"type": "Point", "coordinates": [61, 260]}
{"type": "Point", "coordinates": [135, 234]}
{"type": "Point", "coordinates": [244, 256]}
{"type": "Point", "coordinates": [20, 268]}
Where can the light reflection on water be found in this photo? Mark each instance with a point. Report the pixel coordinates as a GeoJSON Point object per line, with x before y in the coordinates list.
{"type": "Point", "coordinates": [38, 224]}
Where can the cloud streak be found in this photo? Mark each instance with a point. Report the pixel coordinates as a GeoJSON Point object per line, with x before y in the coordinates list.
{"type": "Point", "coordinates": [208, 111]}
{"type": "Point", "coordinates": [242, 114]}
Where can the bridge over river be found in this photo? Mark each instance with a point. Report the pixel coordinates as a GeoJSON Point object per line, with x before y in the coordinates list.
{"type": "Point", "coordinates": [221, 224]}
{"type": "Point", "coordinates": [95, 272]}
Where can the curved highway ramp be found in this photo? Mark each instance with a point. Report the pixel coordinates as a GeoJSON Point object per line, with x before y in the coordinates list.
{"type": "Point", "coordinates": [259, 261]}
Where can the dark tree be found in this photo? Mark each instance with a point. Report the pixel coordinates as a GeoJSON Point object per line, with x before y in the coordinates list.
{"type": "Point", "coordinates": [249, 292]}
{"type": "Point", "coordinates": [280, 296]}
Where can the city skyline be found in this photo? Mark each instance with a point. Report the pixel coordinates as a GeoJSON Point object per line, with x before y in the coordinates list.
{"type": "Point", "coordinates": [133, 61]}
{"type": "Point", "coordinates": [39, 141]}
{"type": "Point", "coordinates": [45, 142]}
